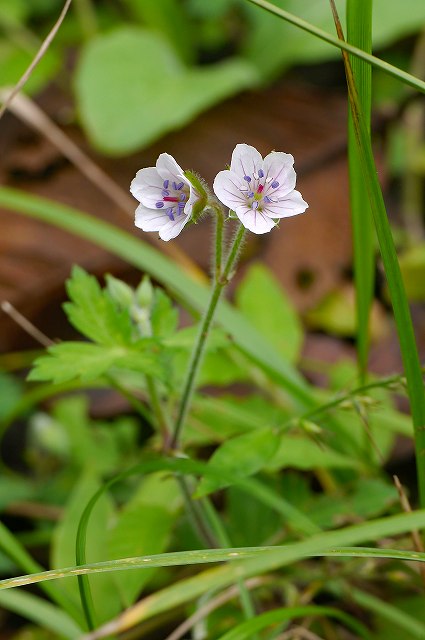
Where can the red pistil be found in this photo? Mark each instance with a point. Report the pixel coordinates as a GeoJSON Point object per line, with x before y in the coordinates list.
{"type": "Point", "coordinates": [170, 199]}
{"type": "Point", "coordinates": [260, 188]}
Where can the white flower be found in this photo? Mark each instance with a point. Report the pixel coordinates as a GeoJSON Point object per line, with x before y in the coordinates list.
{"type": "Point", "coordinates": [166, 198]}
{"type": "Point", "coordinates": [259, 191]}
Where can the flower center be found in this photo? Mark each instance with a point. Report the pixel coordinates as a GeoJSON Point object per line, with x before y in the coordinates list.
{"type": "Point", "coordinates": [259, 190]}
{"type": "Point", "coordinates": [174, 198]}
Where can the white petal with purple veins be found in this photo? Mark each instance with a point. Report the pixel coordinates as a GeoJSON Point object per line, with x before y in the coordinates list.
{"type": "Point", "coordinates": [150, 219]}
{"type": "Point", "coordinates": [146, 187]}
{"type": "Point", "coordinates": [246, 160]}
{"type": "Point", "coordinates": [254, 220]}
{"type": "Point", "coordinates": [168, 168]}
{"type": "Point", "coordinates": [290, 205]}
{"type": "Point", "coordinates": [227, 188]}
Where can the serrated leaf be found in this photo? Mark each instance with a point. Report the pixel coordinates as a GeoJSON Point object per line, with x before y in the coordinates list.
{"type": "Point", "coordinates": [94, 313]}
{"type": "Point", "coordinates": [131, 88]}
{"type": "Point", "coordinates": [87, 362]}
{"type": "Point", "coordinates": [240, 457]}
{"type": "Point", "coordinates": [263, 301]}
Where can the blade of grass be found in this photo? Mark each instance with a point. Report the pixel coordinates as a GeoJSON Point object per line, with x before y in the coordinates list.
{"type": "Point", "coordinates": [403, 76]}
{"type": "Point", "coordinates": [39, 611]}
{"type": "Point", "coordinates": [14, 550]}
{"type": "Point", "coordinates": [406, 336]}
{"type": "Point", "coordinates": [250, 561]}
{"type": "Point", "coordinates": [359, 33]}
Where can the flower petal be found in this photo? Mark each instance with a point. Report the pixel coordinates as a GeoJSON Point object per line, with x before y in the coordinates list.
{"type": "Point", "coordinates": [278, 167]}
{"type": "Point", "coordinates": [253, 220]}
{"type": "Point", "coordinates": [173, 228]}
{"type": "Point", "coordinates": [150, 219]}
{"type": "Point", "coordinates": [168, 168]}
{"type": "Point", "coordinates": [146, 187]}
{"type": "Point", "coordinates": [227, 189]}
{"type": "Point", "coordinates": [246, 160]}
{"type": "Point", "coordinates": [290, 205]}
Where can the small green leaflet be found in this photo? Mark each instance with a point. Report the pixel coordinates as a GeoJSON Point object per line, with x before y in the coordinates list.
{"type": "Point", "coordinates": [87, 362]}
{"type": "Point", "coordinates": [240, 457]}
{"type": "Point", "coordinates": [93, 312]}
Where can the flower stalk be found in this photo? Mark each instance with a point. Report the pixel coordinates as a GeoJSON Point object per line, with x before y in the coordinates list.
{"type": "Point", "coordinates": [220, 282]}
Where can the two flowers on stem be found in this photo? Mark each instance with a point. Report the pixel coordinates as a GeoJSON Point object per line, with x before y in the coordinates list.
{"type": "Point", "coordinates": [259, 191]}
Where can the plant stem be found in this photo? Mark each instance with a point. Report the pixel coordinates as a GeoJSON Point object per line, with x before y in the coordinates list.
{"type": "Point", "coordinates": [218, 243]}
{"type": "Point", "coordinates": [199, 346]}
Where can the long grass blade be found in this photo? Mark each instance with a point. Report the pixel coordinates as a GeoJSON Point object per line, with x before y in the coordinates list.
{"type": "Point", "coordinates": [403, 76]}
{"type": "Point", "coordinates": [359, 33]}
{"type": "Point", "coordinates": [406, 336]}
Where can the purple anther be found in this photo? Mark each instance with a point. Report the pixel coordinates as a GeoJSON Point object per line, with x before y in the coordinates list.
{"type": "Point", "coordinates": [170, 214]}
{"type": "Point", "coordinates": [267, 199]}
{"type": "Point", "coordinates": [180, 208]}
{"type": "Point", "coordinates": [255, 204]}
{"type": "Point", "coordinates": [159, 204]}
{"type": "Point", "coordinates": [179, 186]}
{"type": "Point", "coordinates": [247, 178]}
{"type": "Point", "coordinates": [165, 184]}
{"type": "Point", "coordinates": [164, 192]}
{"type": "Point", "coordinates": [261, 173]}
{"type": "Point", "coordinates": [275, 184]}
{"type": "Point", "coordinates": [182, 197]}
{"type": "Point", "coordinates": [251, 194]}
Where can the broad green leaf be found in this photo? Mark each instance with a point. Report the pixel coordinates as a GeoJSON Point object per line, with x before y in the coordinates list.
{"type": "Point", "coordinates": [94, 313]}
{"type": "Point", "coordinates": [300, 453]}
{"type": "Point", "coordinates": [170, 19]}
{"type": "Point", "coordinates": [143, 527]}
{"type": "Point", "coordinates": [131, 88]}
{"type": "Point", "coordinates": [104, 591]}
{"type": "Point", "coordinates": [240, 457]}
{"type": "Point", "coordinates": [263, 301]}
{"type": "Point", "coordinates": [368, 498]}
{"type": "Point", "coordinates": [87, 362]}
{"type": "Point", "coordinates": [214, 419]}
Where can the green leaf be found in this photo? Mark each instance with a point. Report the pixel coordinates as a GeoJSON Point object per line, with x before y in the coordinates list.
{"type": "Point", "coordinates": [144, 527]}
{"type": "Point", "coordinates": [43, 613]}
{"type": "Point", "coordinates": [63, 545]}
{"type": "Point", "coordinates": [301, 453]}
{"type": "Point", "coordinates": [164, 315]}
{"type": "Point", "coordinates": [131, 88]}
{"type": "Point", "coordinates": [240, 457]}
{"type": "Point", "coordinates": [263, 301]}
{"type": "Point", "coordinates": [87, 362]}
{"type": "Point", "coordinates": [93, 312]}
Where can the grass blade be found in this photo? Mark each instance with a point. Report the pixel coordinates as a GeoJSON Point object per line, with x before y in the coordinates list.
{"type": "Point", "coordinates": [407, 78]}
{"type": "Point", "coordinates": [406, 336]}
{"type": "Point", "coordinates": [359, 33]}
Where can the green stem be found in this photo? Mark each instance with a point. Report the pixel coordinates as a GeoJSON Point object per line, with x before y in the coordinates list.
{"type": "Point", "coordinates": [218, 243]}
{"type": "Point", "coordinates": [161, 418]}
{"type": "Point", "coordinates": [199, 346]}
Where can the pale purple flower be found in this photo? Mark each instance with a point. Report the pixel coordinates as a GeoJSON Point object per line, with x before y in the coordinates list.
{"type": "Point", "coordinates": [259, 191]}
{"type": "Point", "coordinates": [166, 198]}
